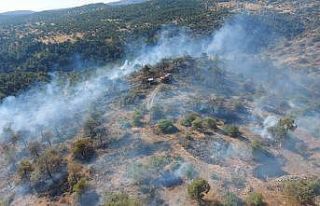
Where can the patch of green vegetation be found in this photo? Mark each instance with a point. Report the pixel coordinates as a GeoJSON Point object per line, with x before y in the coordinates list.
{"type": "Point", "coordinates": [197, 124]}
{"type": "Point", "coordinates": [231, 199]}
{"type": "Point", "coordinates": [121, 199]}
{"type": "Point", "coordinates": [166, 127]}
{"type": "Point", "coordinates": [80, 186]}
{"type": "Point", "coordinates": [48, 165]}
{"type": "Point", "coordinates": [187, 121]}
{"type": "Point", "coordinates": [198, 188]}
{"type": "Point", "coordinates": [25, 168]}
{"type": "Point", "coordinates": [210, 123]}
{"type": "Point", "coordinates": [231, 130]}
{"type": "Point", "coordinates": [136, 121]}
{"type": "Point", "coordinates": [101, 26]}
{"type": "Point", "coordinates": [304, 191]}
{"type": "Point", "coordinates": [83, 149]}
{"type": "Point", "coordinates": [257, 145]}
{"type": "Point", "coordinates": [255, 199]}
{"type": "Point", "coordinates": [281, 129]}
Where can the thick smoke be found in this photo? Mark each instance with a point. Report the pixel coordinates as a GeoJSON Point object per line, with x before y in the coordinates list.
{"type": "Point", "coordinates": [54, 105]}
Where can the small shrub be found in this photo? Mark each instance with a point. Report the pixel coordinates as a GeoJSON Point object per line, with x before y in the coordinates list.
{"type": "Point", "coordinates": [136, 121]}
{"type": "Point", "coordinates": [257, 145]}
{"type": "Point", "coordinates": [303, 191]}
{"type": "Point", "coordinates": [230, 199]}
{"type": "Point", "coordinates": [166, 127]}
{"type": "Point", "coordinates": [187, 121]}
{"type": "Point", "coordinates": [83, 149]}
{"type": "Point", "coordinates": [74, 174]}
{"type": "Point", "coordinates": [197, 124]}
{"type": "Point", "coordinates": [49, 164]}
{"type": "Point", "coordinates": [287, 123]}
{"type": "Point", "coordinates": [120, 199]}
{"type": "Point", "coordinates": [25, 169]}
{"type": "Point", "coordinates": [197, 188]}
{"type": "Point", "coordinates": [231, 130]}
{"type": "Point", "coordinates": [210, 123]}
{"type": "Point", "coordinates": [255, 199]}
{"type": "Point", "coordinates": [80, 186]}
{"type": "Point", "coordinates": [281, 129]}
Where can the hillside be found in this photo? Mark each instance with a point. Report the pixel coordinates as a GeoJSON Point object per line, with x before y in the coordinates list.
{"type": "Point", "coordinates": [67, 40]}
{"type": "Point", "coordinates": [161, 102]}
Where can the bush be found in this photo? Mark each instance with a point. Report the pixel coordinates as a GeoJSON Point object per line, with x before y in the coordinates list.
{"type": "Point", "coordinates": [255, 199]}
{"type": "Point", "coordinates": [48, 165]}
{"type": "Point", "coordinates": [287, 123]}
{"type": "Point", "coordinates": [231, 130]}
{"type": "Point", "coordinates": [197, 124]}
{"type": "Point", "coordinates": [136, 121]}
{"type": "Point", "coordinates": [210, 123]}
{"type": "Point", "coordinates": [303, 191]}
{"type": "Point", "coordinates": [197, 188]}
{"type": "Point", "coordinates": [121, 199]}
{"type": "Point", "coordinates": [166, 127]}
{"type": "Point", "coordinates": [80, 186]}
{"type": "Point", "coordinates": [257, 146]}
{"type": "Point", "coordinates": [280, 130]}
{"type": "Point", "coordinates": [74, 174]}
{"type": "Point", "coordinates": [25, 169]}
{"type": "Point", "coordinates": [230, 199]}
{"type": "Point", "coordinates": [187, 121]}
{"type": "Point", "coordinates": [83, 149]}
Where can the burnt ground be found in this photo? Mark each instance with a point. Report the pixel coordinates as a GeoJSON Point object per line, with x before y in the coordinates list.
{"type": "Point", "coordinates": [157, 167]}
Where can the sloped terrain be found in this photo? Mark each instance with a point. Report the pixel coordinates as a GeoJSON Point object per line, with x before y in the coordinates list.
{"type": "Point", "coordinates": [215, 117]}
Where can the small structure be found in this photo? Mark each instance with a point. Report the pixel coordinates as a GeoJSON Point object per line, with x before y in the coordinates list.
{"type": "Point", "coordinates": [151, 81]}
{"type": "Point", "coordinates": [167, 78]}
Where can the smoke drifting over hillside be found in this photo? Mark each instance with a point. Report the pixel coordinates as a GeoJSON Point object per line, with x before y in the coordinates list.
{"type": "Point", "coordinates": [63, 107]}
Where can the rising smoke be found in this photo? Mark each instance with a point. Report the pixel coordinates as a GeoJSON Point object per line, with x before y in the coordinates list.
{"type": "Point", "coordinates": [62, 108]}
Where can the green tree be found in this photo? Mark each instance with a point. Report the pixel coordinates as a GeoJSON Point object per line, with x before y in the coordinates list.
{"type": "Point", "coordinates": [231, 130]}
{"type": "Point", "coordinates": [166, 127]}
{"type": "Point", "coordinates": [82, 149]}
{"type": "Point", "coordinates": [197, 188]}
{"type": "Point", "coordinates": [187, 121]}
{"type": "Point", "coordinates": [49, 162]}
